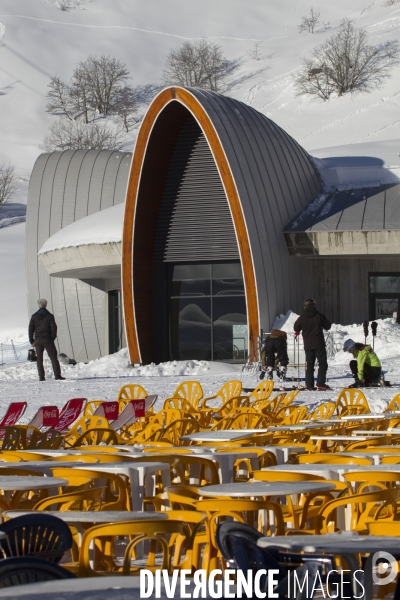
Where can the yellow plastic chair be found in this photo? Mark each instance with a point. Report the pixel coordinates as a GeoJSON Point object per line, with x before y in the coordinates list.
{"type": "Point", "coordinates": [231, 389]}
{"type": "Point", "coordinates": [10, 458]}
{"type": "Point", "coordinates": [370, 443]}
{"type": "Point", "coordinates": [130, 391]}
{"type": "Point", "coordinates": [333, 458]}
{"type": "Point", "coordinates": [264, 516]}
{"type": "Point", "coordinates": [364, 507]}
{"type": "Point", "coordinates": [368, 480]}
{"type": "Point", "coordinates": [73, 458]}
{"type": "Point", "coordinates": [167, 416]}
{"type": "Point", "coordinates": [174, 432]}
{"type": "Point", "coordinates": [351, 401]}
{"type": "Point", "coordinates": [117, 489]}
{"type": "Point", "coordinates": [97, 436]}
{"type": "Point", "coordinates": [82, 500]}
{"type": "Point", "coordinates": [109, 535]}
{"type": "Point", "coordinates": [261, 393]}
{"type": "Point", "coordinates": [393, 459]}
{"type": "Point", "coordinates": [91, 406]}
{"type": "Point", "coordinates": [394, 404]}
{"type": "Point", "coordinates": [323, 411]}
{"type": "Point", "coordinates": [24, 455]}
{"type": "Point", "coordinates": [191, 391]}
{"type": "Point", "coordinates": [81, 426]}
{"type": "Point", "coordinates": [292, 415]}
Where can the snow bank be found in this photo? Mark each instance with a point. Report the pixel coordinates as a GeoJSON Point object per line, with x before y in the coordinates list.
{"type": "Point", "coordinates": [286, 322]}
{"type": "Point", "coordinates": [387, 340]}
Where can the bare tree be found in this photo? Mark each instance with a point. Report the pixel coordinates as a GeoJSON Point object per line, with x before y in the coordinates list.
{"type": "Point", "coordinates": [125, 107]}
{"type": "Point", "coordinates": [309, 23]}
{"type": "Point", "coordinates": [199, 64]}
{"type": "Point", "coordinates": [255, 52]}
{"type": "Point", "coordinates": [95, 89]}
{"type": "Point", "coordinates": [60, 101]}
{"type": "Point", "coordinates": [346, 63]}
{"type": "Point", "coordinates": [390, 2]}
{"type": "Point", "coordinates": [8, 183]}
{"type": "Point", "coordinates": [77, 135]}
{"type": "Point", "coordinates": [68, 5]}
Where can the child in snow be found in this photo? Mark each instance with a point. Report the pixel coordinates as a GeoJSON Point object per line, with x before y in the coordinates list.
{"type": "Point", "coordinates": [274, 353]}
{"type": "Point", "coordinates": [366, 368]}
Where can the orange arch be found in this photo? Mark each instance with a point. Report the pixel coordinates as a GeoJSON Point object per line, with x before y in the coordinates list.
{"type": "Point", "coordinates": [190, 102]}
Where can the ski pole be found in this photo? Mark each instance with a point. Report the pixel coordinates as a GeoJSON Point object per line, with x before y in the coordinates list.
{"type": "Point", "coordinates": [365, 327]}
{"type": "Point", "coordinates": [298, 362]}
{"type": "Point", "coordinates": [374, 327]}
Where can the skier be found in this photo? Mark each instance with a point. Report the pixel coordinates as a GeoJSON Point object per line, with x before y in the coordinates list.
{"type": "Point", "coordinates": [43, 326]}
{"type": "Point", "coordinates": [312, 323]}
{"type": "Point", "coordinates": [274, 353]}
{"type": "Point", "coordinates": [366, 368]}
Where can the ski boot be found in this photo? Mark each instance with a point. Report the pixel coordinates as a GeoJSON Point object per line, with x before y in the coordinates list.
{"type": "Point", "coordinates": [270, 373]}
{"type": "Point", "coordinates": [281, 374]}
{"type": "Point", "coordinates": [262, 372]}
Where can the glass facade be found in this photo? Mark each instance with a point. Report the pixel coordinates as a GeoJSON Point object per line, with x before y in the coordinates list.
{"type": "Point", "coordinates": [384, 289]}
{"type": "Point", "coordinates": [208, 318]}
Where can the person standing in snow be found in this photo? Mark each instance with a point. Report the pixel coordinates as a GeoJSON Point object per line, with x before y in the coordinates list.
{"type": "Point", "coordinates": [366, 366]}
{"type": "Point", "coordinates": [42, 333]}
{"type": "Point", "coordinates": [274, 353]}
{"type": "Point", "coordinates": [312, 324]}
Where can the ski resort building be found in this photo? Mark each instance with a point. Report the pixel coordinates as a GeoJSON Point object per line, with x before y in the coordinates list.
{"type": "Point", "coordinates": [219, 222]}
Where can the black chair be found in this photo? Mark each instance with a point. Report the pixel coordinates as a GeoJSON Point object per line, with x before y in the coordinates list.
{"type": "Point", "coordinates": [26, 570]}
{"type": "Point", "coordinates": [36, 535]}
{"type": "Point", "coordinates": [237, 543]}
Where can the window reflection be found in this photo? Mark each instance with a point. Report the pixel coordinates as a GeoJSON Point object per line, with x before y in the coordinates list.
{"type": "Point", "coordinates": [208, 317]}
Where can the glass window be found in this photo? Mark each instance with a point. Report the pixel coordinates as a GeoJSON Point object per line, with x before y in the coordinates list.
{"type": "Point", "coordinates": [182, 272]}
{"type": "Point", "coordinates": [384, 284]}
{"type": "Point", "coordinates": [228, 287]}
{"type": "Point", "coordinates": [191, 329]}
{"type": "Point", "coordinates": [191, 287]}
{"type": "Point", "coordinates": [227, 271]}
{"type": "Point", "coordinates": [385, 307]}
{"type": "Point", "coordinates": [229, 326]}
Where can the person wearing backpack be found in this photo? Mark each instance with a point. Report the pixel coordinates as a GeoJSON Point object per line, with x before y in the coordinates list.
{"type": "Point", "coordinates": [312, 324]}
{"type": "Point", "coordinates": [42, 333]}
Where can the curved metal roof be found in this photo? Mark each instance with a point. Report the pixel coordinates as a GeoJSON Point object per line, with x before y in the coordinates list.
{"type": "Point", "coordinates": [268, 179]}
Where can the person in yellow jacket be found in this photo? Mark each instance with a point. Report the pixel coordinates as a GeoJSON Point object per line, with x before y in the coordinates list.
{"type": "Point", "coordinates": [366, 368]}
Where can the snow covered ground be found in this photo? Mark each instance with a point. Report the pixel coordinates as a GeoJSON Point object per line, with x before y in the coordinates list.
{"type": "Point", "coordinates": [102, 378]}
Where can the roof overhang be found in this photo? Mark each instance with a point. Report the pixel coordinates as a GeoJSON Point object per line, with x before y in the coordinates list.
{"type": "Point", "coordinates": [338, 244]}
{"type": "Point", "coordinates": [89, 261]}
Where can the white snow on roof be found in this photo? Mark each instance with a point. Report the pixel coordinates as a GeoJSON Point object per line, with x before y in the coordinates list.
{"type": "Point", "coordinates": [103, 227]}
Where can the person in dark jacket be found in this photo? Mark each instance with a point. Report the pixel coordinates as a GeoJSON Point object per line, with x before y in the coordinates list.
{"type": "Point", "coordinates": [274, 355]}
{"type": "Point", "coordinates": [312, 324]}
{"type": "Point", "coordinates": [42, 333]}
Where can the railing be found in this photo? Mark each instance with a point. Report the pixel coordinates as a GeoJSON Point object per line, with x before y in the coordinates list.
{"type": "Point", "coordinates": [13, 353]}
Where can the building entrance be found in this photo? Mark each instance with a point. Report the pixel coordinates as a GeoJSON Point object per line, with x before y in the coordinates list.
{"type": "Point", "coordinates": [207, 315]}
{"type": "Point", "coordinates": [384, 299]}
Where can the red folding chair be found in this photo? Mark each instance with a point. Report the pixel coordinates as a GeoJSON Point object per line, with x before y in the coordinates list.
{"type": "Point", "coordinates": [46, 416]}
{"type": "Point", "coordinates": [70, 413]}
{"type": "Point", "coordinates": [13, 413]}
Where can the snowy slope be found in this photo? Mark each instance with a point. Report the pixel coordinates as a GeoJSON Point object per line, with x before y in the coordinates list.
{"type": "Point", "coordinates": [40, 41]}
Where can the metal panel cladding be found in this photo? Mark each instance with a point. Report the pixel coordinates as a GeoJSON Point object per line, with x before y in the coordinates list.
{"type": "Point", "coordinates": [65, 187]}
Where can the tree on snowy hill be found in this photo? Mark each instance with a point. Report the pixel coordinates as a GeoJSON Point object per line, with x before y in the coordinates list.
{"type": "Point", "coordinates": [346, 63]}
{"type": "Point", "coordinates": [68, 5]}
{"type": "Point", "coordinates": [309, 23]}
{"type": "Point", "coordinates": [65, 134]}
{"type": "Point", "coordinates": [8, 183]}
{"type": "Point", "coordinates": [98, 87]}
{"type": "Point", "coordinates": [199, 64]}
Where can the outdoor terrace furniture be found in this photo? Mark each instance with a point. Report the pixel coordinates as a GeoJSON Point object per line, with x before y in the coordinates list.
{"type": "Point", "coordinates": [24, 571]}
{"type": "Point", "coordinates": [36, 535]}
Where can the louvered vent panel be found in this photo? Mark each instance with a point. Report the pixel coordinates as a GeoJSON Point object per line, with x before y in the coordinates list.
{"type": "Point", "coordinates": [194, 221]}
